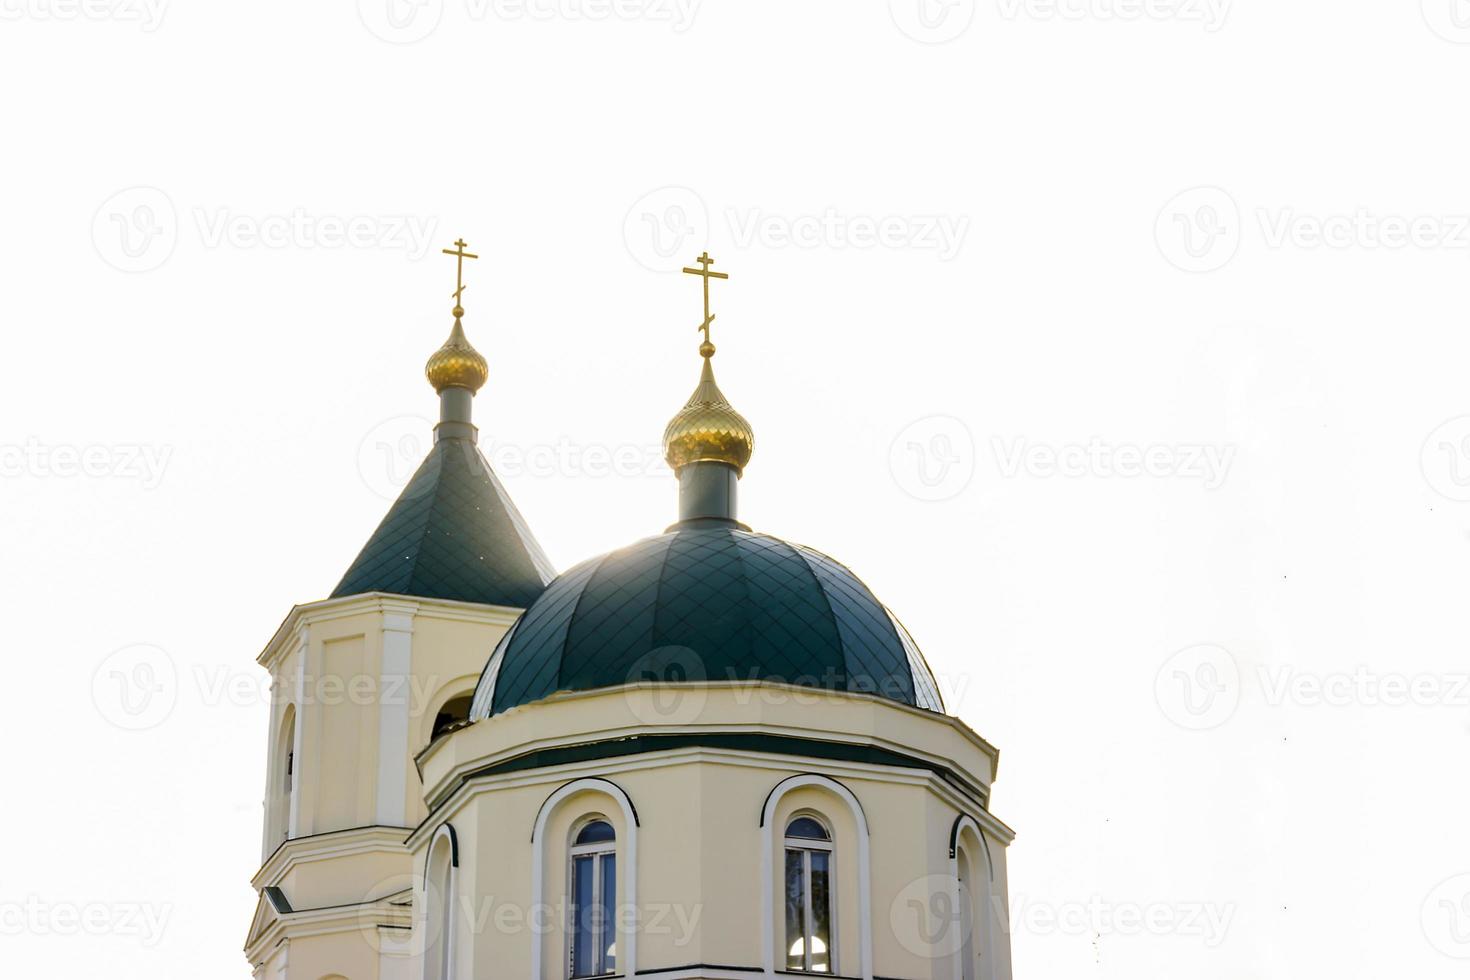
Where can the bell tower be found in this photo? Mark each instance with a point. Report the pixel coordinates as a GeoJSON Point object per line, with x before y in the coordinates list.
{"type": "Point", "coordinates": [366, 679]}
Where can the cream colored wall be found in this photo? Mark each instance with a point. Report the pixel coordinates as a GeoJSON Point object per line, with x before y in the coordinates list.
{"type": "Point", "coordinates": [356, 877]}
{"type": "Point", "coordinates": [328, 667]}
{"type": "Point", "coordinates": [700, 849]}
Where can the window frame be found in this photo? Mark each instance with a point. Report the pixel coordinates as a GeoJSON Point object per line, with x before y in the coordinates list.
{"type": "Point", "coordinates": [596, 850]}
{"type": "Point", "coordinates": [808, 846]}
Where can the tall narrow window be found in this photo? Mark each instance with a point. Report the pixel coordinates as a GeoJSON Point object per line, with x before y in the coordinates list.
{"type": "Point", "coordinates": [285, 780]}
{"type": "Point", "coordinates": [808, 897]}
{"type": "Point", "coordinates": [966, 919]}
{"type": "Point", "coordinates": [594, 888]}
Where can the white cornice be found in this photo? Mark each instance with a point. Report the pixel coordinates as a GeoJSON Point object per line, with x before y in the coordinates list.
{"type": "Point", "coordinates": [449, 808]}
{"type": "Point", "coordinates": [380, 913]}
{"type": "Point", "coordinates": [381, 602]}
{"type": "Point", "coordinates": [321, 847]}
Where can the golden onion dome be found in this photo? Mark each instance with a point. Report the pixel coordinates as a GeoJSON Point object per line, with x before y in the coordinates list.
{"type": "Point", "coordinates": [707, 428]}
{"type": "Point", "coordinates": [457, 364]}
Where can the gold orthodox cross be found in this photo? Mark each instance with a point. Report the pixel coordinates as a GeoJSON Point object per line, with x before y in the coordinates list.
{"type": "Point", "coordinates": [704, 272]}
{"type": "Point", "coordinates": [460, 255]}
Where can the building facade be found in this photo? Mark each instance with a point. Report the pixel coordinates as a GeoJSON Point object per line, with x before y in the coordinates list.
{"type": "Point", "coordinates": [710, 754]}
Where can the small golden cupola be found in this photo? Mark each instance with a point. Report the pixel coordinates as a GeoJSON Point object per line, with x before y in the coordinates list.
{"type": "Point", "coordinates": [708, 444]}
{"type": "Point", "coordinates": [457, 364]}
{"type": "Point", "coordinates": [707, 429]}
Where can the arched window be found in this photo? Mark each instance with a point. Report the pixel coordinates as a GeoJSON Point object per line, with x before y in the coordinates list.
{"type": "Point", "coordinates": [456, 711]}
{"type": "Point", "coordinates": [809, 896]}
{"type": "Point", "coordinates": [969, 953]}
{"type": "Point", "coordinates": [283, 783]}
{"type": "Point", "coordinates": [593, 897]}
{"type": "Point", "coordinates": [439, 911]}
{"type": "Point", "coordinates": [975, 908]}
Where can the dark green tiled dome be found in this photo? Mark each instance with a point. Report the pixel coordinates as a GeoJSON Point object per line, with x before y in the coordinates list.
{"type": "Point", "coordinates": [706, 601]}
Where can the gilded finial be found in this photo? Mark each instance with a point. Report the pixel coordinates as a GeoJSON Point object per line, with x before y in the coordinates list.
{"type": "Point", "coordinates": [457, 364]}
{"type": "Point", "coordinates": [706, 349]}
{"type": "Point", "coordinates": [708, 429]}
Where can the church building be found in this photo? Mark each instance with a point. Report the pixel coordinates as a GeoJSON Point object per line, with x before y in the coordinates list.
{"type": "Point", "coordinates": [710, 755]}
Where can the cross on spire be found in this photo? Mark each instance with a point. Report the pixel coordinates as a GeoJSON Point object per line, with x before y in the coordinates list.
{"type": "Point", "coordinates": [707, 348]}
{"type": "Point", "coordinates": [459, 287]}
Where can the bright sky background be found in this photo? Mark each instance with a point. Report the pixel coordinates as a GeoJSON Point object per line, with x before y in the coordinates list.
{"type": "Point", "coordinates": [1087, 290]}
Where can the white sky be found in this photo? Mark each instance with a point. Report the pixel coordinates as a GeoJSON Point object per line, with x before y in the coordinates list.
{"type": "Point", "coordinates": [1051, 147]}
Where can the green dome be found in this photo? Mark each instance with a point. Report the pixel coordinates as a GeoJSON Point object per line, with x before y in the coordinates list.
{"type": "Point", "coordinates": [706, 601]}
